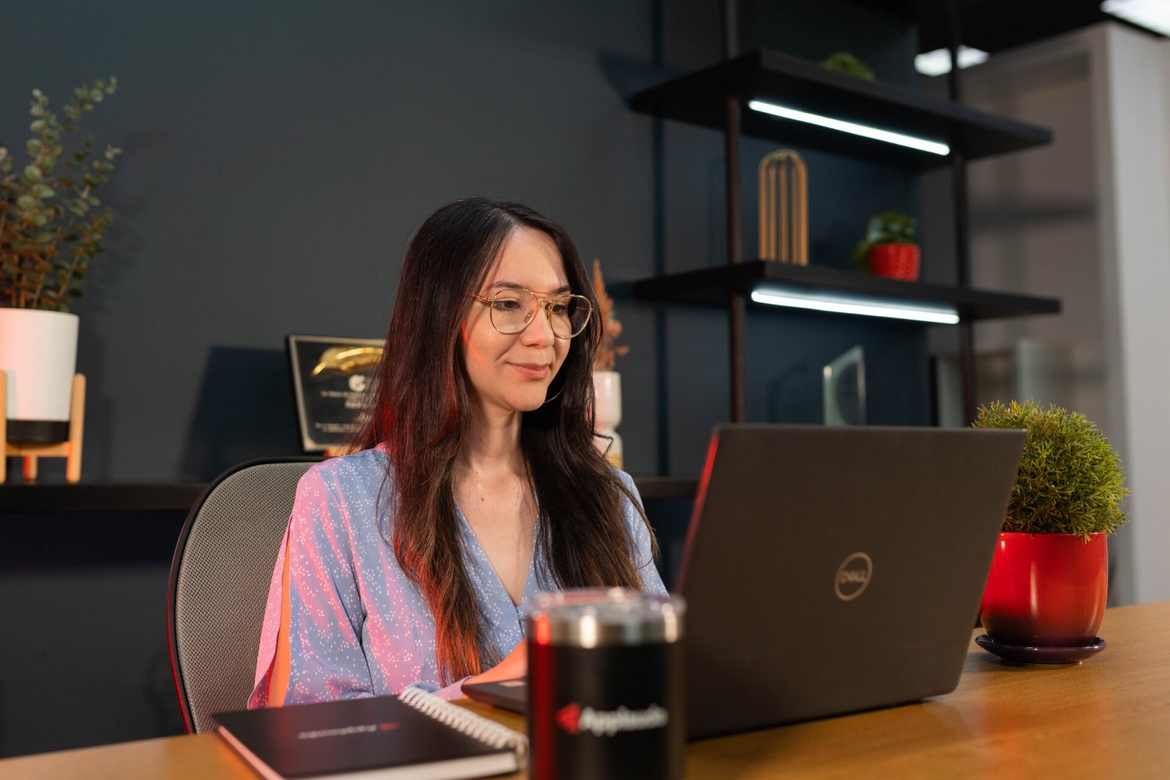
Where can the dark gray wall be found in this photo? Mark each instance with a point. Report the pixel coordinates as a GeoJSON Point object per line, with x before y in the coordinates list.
{"type": "Point", "coordinates": [278, 156]}
{"type": "Point", "coordinates": [84, 660]}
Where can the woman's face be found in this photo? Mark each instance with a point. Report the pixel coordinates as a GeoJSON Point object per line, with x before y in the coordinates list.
{"type": "Point", "coordinates": [511, 373]}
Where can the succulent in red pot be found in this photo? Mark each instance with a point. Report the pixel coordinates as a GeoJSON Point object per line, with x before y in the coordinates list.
{"type": "Point", "coordinates": [1049, 578]}
{"type": "Point", "coordinates": [889, 248]}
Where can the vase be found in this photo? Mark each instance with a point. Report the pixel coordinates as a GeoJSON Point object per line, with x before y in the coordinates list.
{"type": "Point", "coordinates": [1046, 590]}
{"type": "Point", "coordinates": [607, 414]}
{"type": "Point", "coordinates": [896, 261]}
{"type": "Point", "coordinates": [38, 351]}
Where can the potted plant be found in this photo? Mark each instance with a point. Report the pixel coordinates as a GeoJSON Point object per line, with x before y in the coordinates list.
{"type": "Point", "coordinates": [844, 62]}
{"type": "Point", "coordinates": [607, 383]}
{"type": "Point", "coordinates": [889, 248]}
{"type": "Point", "coordinates": [51, 226]}
{"type": "Point", "coordinates": [1049, 577]}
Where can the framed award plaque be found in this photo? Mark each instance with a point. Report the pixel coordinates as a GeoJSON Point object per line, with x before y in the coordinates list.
{"type": "Point", "coordinates": [332, 378]}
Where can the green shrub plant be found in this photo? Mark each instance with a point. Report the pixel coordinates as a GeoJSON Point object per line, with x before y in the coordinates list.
{"type": "Point", "coordinates": [1070, 479]}
{"type": "Point", "coordinates": [50, 222]}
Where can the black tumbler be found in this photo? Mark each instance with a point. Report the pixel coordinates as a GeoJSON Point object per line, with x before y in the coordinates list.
{"type": "Point", "coordinates": [605, 685]}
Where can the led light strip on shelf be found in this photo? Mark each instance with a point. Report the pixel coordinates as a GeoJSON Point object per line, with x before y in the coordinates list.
{"type": "Point", "coordinates": [862, 305]}
{"type": "Point", "coordinates": [921, 144]}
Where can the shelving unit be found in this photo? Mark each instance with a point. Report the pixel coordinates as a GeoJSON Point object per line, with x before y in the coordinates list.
{"type": "Point", "coordinates": [711, 286]}
{"type": "Point", "coordinates": [698, 98]}
{"type": "Point", "coordinates": [718, 97]}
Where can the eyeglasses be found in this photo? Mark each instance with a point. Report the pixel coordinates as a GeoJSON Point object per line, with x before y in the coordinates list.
{"type": "Point", "coordinates": [514, 309]}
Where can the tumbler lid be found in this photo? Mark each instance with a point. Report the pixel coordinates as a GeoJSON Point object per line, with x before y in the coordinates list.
{"type": "Point", "coordinates": [601, 617]}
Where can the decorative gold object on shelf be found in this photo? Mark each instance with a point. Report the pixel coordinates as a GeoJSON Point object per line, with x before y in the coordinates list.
{"type": "Point", "coordinates": [784, 208]}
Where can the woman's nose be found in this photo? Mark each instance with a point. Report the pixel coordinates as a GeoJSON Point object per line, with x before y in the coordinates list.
{"type": "Point", "coordinates": [539, 332]}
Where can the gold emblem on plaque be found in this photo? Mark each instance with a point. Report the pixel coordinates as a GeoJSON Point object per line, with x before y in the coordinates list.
{"type": "Point", "coordinates": [348, 360]}
{"type": "Point", "coordinates": [784, 208]}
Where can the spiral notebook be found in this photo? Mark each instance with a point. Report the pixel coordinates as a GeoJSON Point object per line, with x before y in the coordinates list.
{"type": "Point", "coordinates": [416, 735]}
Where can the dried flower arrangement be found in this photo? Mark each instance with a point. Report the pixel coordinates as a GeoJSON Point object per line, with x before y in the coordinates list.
{"type": "Point", "coordinates": [610, 327]}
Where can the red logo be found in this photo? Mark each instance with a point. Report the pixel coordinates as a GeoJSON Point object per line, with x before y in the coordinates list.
{"type": "Point", "coordinates": [569, 718]}
{"type": "Point", "coordinates": [575, 719]}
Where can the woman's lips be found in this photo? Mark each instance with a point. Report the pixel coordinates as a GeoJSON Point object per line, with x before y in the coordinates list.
{"type": "Point", "coordinates": [531, 370]}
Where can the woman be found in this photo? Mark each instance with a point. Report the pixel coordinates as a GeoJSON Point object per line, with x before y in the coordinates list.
{"type": "Point", "coordinates": [478, 484]}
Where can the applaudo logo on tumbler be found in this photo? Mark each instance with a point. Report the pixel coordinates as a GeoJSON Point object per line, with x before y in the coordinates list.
{"type": "Point", "coordinates": [574, 719]}
{"type": "Point", "coordinates": [853, 576]}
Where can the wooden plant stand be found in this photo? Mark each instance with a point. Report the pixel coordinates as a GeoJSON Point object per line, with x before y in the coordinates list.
{"type": "Point", "coordinates": [70, 449]}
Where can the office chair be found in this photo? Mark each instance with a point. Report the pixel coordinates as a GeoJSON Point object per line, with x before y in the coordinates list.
{"type": "Point", "coordinates": [219, 585]}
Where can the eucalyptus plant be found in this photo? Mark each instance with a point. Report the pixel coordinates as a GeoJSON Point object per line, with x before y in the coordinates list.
{"type": "Point", "coordinates": [1070, 479]}
{"type": "Point", "coordinates": [51, 223]}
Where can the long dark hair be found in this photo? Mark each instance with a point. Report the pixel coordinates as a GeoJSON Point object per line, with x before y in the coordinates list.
{"type": "Point", "coordinates": [421, 410]}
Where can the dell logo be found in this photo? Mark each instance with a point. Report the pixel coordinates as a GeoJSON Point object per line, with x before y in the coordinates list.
{"type": "Point", "coordinates": [853, 576]}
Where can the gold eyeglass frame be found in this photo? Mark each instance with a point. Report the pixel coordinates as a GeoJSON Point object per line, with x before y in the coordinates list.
{"type": "Point", "coordinates": [541, 304]}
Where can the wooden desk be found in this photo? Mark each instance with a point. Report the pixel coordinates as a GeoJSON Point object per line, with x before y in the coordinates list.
{"type": "Point", "coordinates": [1108, 718]}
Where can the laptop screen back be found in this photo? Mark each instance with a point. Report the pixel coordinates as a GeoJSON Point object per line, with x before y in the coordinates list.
{"type": "Point", "coordinates": [830, 570]}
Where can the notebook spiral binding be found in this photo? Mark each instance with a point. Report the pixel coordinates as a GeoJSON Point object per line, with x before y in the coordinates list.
{"type": "Point", "coordinates": [467, 722]}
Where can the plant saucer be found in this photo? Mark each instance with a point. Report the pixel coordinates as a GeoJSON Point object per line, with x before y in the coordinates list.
{"type": "Point", "coordinates": [1025, 654]}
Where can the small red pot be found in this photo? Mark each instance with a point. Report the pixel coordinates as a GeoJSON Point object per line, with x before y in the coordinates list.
{"type": "Point", "coordinates": [897, 261]}
{"type": "Point", "coordinates": [1046, 590]}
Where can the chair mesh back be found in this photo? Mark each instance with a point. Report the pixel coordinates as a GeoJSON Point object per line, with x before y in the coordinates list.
{"type": "Point", "coordinates": [221, 585]}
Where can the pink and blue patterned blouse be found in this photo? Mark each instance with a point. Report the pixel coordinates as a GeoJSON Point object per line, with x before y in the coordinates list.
{"type": "Point", "coordinates": [357, 625]}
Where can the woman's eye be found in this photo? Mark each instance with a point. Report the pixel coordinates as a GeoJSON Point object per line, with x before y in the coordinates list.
{"type": "Point", "coordinates": [560, 309]}
{"type": "Point", "coordinates": [506, 304]}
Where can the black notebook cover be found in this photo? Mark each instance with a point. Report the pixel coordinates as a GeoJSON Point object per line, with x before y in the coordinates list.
{"type": "Point", "coordinates": [335, 738]}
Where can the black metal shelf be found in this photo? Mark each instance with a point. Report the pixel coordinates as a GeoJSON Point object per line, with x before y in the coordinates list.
{"type": "Point", "coordinates": [700, 98]}
{"type": "Point", "coordinates": [97, 497]}
{"type": "Point", "coordinates": [711, 286]}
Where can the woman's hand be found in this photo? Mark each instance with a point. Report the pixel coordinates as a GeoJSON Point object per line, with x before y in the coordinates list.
{"type": "Point", "coordinates": [515, 665]}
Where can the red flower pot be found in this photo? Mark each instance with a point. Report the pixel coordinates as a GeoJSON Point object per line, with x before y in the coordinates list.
{"type": "Point", "coordinates": [897, 261]}
{"type": "Point", "coordinates": [1046, 590]}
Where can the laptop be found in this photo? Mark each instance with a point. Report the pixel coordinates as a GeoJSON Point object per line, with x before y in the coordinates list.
{"type": "Point", "coordinates": [506, 694]}
{"type": "Point", "coordinates": [833, 570]}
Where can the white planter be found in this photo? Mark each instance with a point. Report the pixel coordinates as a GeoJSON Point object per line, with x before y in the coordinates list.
{"type": "Point", "coordinates": [38, 352]}
{"type": "Point", "coordinates": [607, 413]}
